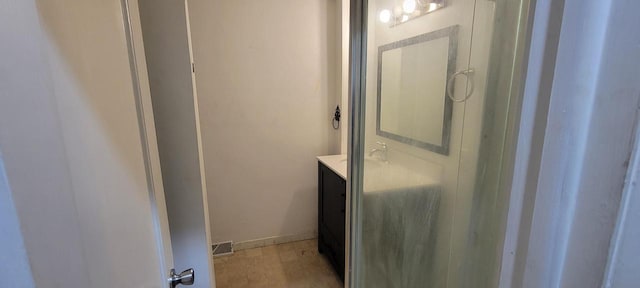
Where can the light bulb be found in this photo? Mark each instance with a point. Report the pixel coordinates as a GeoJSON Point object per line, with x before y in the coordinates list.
{"type": "Point", "coordinates": [385, 16]}
{"type": "Point", "coordinates": [408, 6]}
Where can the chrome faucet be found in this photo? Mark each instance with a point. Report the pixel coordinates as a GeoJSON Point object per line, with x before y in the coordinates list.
{"type": "Point", "coordinates": [382, 150]}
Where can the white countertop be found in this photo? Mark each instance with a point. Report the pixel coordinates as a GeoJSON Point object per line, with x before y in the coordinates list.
{"type": "Point", "coordinates": [337, 163]}
{"type": "Point", "coordinates": [381, 176]}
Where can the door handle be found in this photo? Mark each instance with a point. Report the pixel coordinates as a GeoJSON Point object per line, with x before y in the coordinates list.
{"type": "Point", "coordinates": [187, 277]}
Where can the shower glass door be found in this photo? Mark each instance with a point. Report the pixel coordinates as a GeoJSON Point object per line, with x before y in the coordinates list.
{"type": "Point", "coordinates": [436, 88]}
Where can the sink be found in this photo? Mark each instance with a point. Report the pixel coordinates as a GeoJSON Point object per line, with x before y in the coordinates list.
{"type": "Point", "coordinates": [384, 176]}
{"type": "Point", "coordinates": [369, 162]}
{"type": "Point", "coordinates": [380, 176]}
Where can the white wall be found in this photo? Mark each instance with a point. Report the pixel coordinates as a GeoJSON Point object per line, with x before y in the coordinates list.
{"type": "Point", "coordinates": [266, 77]}
{"type": "Point", "coordinates": [342, 74]}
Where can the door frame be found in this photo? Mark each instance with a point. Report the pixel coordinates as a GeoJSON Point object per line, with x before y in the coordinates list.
{"type": "Point", "coordinates": [541, 64]}
{"type": "Point", "coordinates": [580, 137]}
{"type": "Point", "coordinates": [203, 182]}
{"type": "Point", "coordinates": [358, 12]}
{"type": "Point", "coordinates": [142, 93]}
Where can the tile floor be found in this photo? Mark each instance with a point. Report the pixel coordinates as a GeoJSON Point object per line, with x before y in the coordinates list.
{"type": "Point", "coordinates": [295, 264]}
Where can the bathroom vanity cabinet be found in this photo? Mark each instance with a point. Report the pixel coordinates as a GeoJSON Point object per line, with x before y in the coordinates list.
{"type": "Point", "coordinates": [331, 216]}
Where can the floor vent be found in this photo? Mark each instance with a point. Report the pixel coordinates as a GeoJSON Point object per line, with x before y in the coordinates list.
{"type": "Point", "coordinates": [222, 248]}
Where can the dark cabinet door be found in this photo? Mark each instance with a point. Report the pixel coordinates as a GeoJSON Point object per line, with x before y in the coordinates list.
{"type": "Point", "coordinates": [333, 208]}
{"type": "Point", "coordinates": [331, 216]}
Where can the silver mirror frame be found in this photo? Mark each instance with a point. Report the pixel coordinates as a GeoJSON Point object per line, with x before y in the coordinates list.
{"type": "Point", "coordinates": [452, 33]}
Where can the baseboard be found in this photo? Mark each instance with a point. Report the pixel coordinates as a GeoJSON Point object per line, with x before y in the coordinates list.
{"type": "Point", "coordinates": [274, 240]}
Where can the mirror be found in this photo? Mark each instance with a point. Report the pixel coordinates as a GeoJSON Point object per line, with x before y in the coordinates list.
{"type": "Point", "coordinates": [413, 106]}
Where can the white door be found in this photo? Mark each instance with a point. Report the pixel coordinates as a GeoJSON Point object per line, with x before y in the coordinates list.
{"type": "Point", "coordinates": [167, 52]}
{"type": "Point", "coordinates": [78, 147]}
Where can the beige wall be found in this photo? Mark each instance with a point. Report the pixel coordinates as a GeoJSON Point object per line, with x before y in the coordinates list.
{"type": "Point", "coordinates": [342, 73]}
{"type": "Point", "coordinates": [266, 82]}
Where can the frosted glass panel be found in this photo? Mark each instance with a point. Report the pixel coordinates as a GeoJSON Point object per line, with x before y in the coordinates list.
{"type": "Point", "coordinates": [425, 217]}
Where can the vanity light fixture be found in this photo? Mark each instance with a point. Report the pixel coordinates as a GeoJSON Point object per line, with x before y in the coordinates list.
{"type": "Point", "coordinates": [409, 6]}
{"type": "Point", "coordinates": [432, 7]}
{"type": "Point", "coordinates": [409, 9]}
{"type": "Point", "coordinates": [385, 16]}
